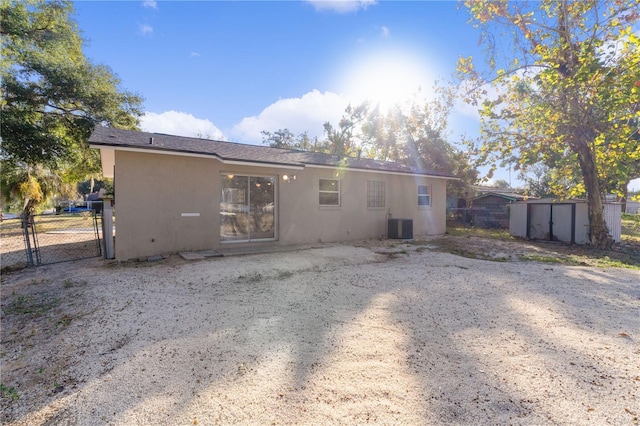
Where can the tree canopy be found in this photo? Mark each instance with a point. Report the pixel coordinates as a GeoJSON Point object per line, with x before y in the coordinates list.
{"type": "Point", "coordinates": [52, 95]}
{"type": "Point", "coordinates": [415, 135]}
{"type": "Point", "coordinates": [566, 95]}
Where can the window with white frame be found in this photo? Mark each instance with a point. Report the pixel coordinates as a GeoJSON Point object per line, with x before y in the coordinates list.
{"type": "Point", "coordinates": [375, 193]}
{"type": "Point", "coordinates": [424, 195]}
{"type": "Point", "coordinates": [329, 194]}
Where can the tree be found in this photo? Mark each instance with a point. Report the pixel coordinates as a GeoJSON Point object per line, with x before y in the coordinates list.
{"type": "Point", "coordinates": [52, 96]}
{"type": "Point", "coordinates": [567, 94]}
{"type": "Point", "coordinates": [416, 136]}
{"type": "Point", "coordinates": [341, 139]}
{"type": "Point", "coordinates": [501, 183]}
{"type": "Point", "coordinates": [284, 138]}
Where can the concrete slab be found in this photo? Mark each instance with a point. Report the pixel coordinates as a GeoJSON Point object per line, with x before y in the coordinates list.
{"type": "Point", "coordinates": [191, 255]}
{"type": "Point", "coordinates": [210, 253]}
{"type": "Point", "coordinates": [260, 249]}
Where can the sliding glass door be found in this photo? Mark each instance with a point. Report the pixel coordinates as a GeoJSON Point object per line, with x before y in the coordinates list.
{"type": "Point", "coordinates": [247, 208]}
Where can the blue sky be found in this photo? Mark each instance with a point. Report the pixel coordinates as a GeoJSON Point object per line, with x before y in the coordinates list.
{"type": "Point", "coordinates": [228, 70]}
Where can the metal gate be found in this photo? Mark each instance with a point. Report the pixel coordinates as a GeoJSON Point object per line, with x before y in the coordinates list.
{"type": "Point", "coordinates": [51, 238]}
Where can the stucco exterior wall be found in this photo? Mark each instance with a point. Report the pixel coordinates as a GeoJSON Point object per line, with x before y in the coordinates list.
{"type": "Point", "coordinates": [152, 192]}
{"type": "Point", "coordinates": [171, 203]}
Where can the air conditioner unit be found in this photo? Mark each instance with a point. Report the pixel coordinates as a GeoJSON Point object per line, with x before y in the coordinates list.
{"type": "Point", "coordinates": [400, 229]}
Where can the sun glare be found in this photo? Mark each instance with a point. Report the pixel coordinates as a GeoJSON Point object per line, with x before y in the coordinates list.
{"type": "Point", "coordinates": [387, 79]}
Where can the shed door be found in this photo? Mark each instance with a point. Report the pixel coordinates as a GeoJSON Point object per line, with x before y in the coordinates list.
{"type": "Point", "coordinates": [561, 222]}
{"type": "Point", "coordinates": [551, 222]}
{"type": "Point", "coordinates": [539, 218]}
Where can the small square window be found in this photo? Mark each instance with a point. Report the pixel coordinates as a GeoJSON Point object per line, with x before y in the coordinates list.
{"type": "Point", "coordinates": [329, 194]}
{"type": "Point", "coordinates": [424, 195]}
{"type": "Point", "coordinates": [375, 193]}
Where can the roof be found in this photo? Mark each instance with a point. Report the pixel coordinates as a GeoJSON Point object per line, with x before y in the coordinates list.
{"type": "Point", "coordinates": [494, 189]}
{"type": "Point", "coordinates": [232, 151]}
{"type": "Point", "coordinates": [550, 200]}
{"type": "Point", "coordinates": [507, 196]}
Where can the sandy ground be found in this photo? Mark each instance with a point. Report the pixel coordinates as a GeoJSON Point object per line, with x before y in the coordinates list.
{"type": "Point", "coordinates": [376, 332]}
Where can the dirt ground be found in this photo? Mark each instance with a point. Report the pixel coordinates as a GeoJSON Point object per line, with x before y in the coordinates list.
{"type": "Point", "coordinates": [377, 332]}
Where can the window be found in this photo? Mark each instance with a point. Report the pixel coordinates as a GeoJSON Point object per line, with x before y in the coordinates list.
{"type": "Point", "coordinates": [247, 208]}
{"type": "Point", "coordinates": [424, 195]}
{"type": "Point", "coordinates": [375, 193]}
{"type": "Point", "coordinates": [329, 194]}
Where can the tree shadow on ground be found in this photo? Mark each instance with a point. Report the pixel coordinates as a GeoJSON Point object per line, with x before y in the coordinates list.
{"type": "Point", "coordinates": [322, 337]}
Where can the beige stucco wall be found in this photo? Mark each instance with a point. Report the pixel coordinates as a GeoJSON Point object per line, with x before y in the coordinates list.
{"type": "Point", "coordinates": [154, 191]}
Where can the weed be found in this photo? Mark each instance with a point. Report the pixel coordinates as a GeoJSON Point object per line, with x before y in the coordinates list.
{"type": "Point", "coordinates": [65, 320]}
{"type": "Point", "coordinates": [285, 274]}
{"type": "Point", "coordinates": [8, 392]}
{"type": "Point", "coordinates": [543, 259]}
{"type": "Point", "coordinates": [29, 304]}
{"type": "Point", "coordinates": [254, 278]}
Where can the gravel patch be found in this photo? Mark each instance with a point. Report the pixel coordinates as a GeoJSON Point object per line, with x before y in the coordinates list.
{"type": "Point", "coordinates": [376, 332]}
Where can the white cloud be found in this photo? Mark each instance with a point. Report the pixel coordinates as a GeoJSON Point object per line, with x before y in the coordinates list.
{"type": "Point", "coordinates": [305, 114]}
{"type": "Point", "coordinates": [180, 124]}
{"type": "Point", "coordinates": [341, 6]}
{"type": "Point", "coordinates": [145, 29]}
{"type": "Point", "coordinates": [384, 32]}
{"type": "Point", "coordinates": [151, 4]}
{"type": "Point", "coordinates": [194, 54]}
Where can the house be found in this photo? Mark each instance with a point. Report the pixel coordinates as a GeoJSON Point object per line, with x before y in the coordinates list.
{"type": "Point", "coordinates": [177, 193]}
{"type": "Point", "coordinates": [560, 220]}
{"type": "Point", "coordinates": [490, 210]}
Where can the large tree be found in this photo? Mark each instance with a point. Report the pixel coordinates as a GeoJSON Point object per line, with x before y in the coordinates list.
{"type": "Point", "coordinates": [52, 95]}
{"type": "Point", "coordinates": [567, 93]}
{"type": "Point", "coordinates": [284, 138]}
{"type": "Point", "coordinates": [416, 135]}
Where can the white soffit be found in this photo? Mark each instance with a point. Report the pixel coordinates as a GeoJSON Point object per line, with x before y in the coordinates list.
{"type": "Point", "coordinates": [108, 161]}
{"type": "Point", "coordinates": [103, 148]}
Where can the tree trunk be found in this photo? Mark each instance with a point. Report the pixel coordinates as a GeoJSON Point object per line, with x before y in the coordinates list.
{"type": "Point", "coordinates": [598, 231]}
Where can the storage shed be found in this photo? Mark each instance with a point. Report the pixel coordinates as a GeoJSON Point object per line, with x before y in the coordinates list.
{"type": "Point", "coordinates": [553, 220]}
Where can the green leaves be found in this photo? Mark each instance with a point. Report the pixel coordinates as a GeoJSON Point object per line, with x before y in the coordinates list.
{"type": "Point", "coordinates": [571, 107]}
{"type": "Point", "coordinates": [52, 96]}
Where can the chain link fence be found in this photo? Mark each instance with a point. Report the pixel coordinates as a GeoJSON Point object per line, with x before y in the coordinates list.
{"type": "Point", "coordinates": [13, 253]}
{"type": "Point", "coordinates": [49, 239]}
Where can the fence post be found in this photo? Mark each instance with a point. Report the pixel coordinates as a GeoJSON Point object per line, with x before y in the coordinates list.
{"type": "Point", "coordinates": [107, 229]}
{"type": "Point", "coordinates": [27, 242]}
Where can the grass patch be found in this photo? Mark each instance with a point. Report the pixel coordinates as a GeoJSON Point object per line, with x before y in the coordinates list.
{"type": "Point", "coordinates": [32, 304]}
{"type": "Point", "coordinates": [631, 228]}
{"type": "Point", "coordinates": [8, 392]}
{"type": "Point", "coordinates": [545, 259]}
{"type": "Point", "coordinates": [496, 234]}
{"type": "Point", "coordinates": [626, 255]}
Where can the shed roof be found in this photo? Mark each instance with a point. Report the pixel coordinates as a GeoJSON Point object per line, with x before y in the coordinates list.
{"type": "Point", "coordinates": [232, 151]}
{"type": "Point", "coordinates": [550, 200]}
{"type": "Point", "coordinates": [507, 196]}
